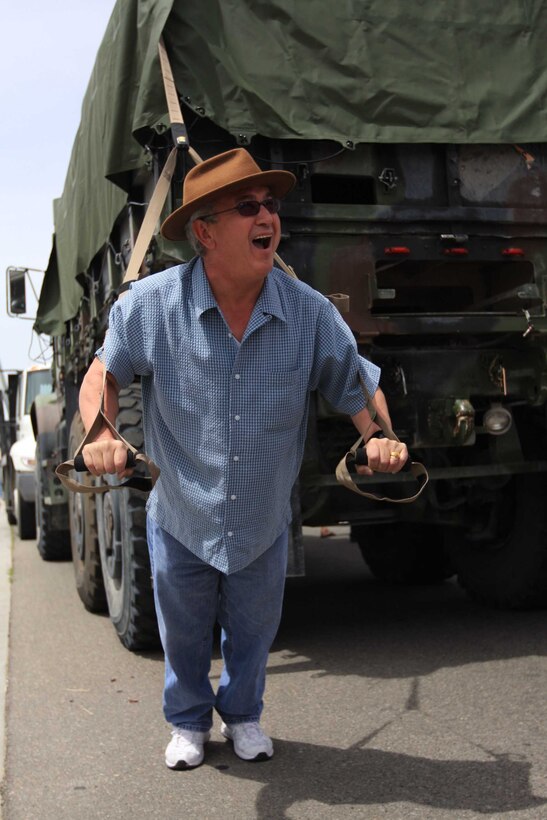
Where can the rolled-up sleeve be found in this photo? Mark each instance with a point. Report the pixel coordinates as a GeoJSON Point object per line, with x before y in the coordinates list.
{"type": "Point", "coordinates": [337, 365]}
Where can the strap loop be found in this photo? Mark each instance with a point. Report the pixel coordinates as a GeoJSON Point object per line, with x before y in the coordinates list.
{"type": "Point", "coordinates": [344, 477]}
{"type": "Point", "coordinates": [142, 483]}
{"type": "Point", "coordinates": [342, 472]}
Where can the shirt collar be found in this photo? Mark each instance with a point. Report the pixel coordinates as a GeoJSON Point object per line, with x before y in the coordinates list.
{"type": "Point", "coordinates": [269, 301]}
{"type": "Point", "coordinates": [201, 290]}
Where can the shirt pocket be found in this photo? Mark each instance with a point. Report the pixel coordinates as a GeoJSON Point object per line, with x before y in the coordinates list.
{"type": "Point", "coordinates": [282, 400]}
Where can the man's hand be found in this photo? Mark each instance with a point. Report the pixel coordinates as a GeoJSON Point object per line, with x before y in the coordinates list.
{"type": "Point", "coordinates": [106, 455]}
{"type": "Point", "coordinates": [384, 456]}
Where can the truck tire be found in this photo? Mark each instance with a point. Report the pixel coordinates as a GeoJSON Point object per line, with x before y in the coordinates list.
{"type": "Point", "coordinates": [404, 553]}
{"type": "Point", "coordinates": [508, 570]}
{"type": "Point", "coordinates": [26, 518]}
{"type": "Point", "coordinates": [124, 551]}
{"type": "Point", "coordinates": [53, 544]}
{"type": "Point", "coordinates": [83, 533]}
{"type": "Point", "coordinates": [7, 491]}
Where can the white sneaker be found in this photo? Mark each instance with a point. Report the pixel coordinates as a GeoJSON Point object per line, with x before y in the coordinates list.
{"type": "Point", "coordinates": [185, 750]}
{"type": "Point", "coordinates": [250, 742]}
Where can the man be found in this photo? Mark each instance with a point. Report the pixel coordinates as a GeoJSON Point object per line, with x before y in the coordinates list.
{"type": "Point", "coordinates": [228, 349]}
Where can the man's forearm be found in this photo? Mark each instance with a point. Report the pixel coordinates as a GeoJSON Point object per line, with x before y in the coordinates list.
{"type": "Point", "coordinates": [90, 398]}
{"type": "Point", "coordinates": [363, 420]}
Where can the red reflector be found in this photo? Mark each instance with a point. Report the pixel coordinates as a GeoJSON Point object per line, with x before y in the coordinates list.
{"type": "Point", "coordinates": [400, 249]}
{"type": "Point", "coordinates": [456, 251]}
{"type": "Point", "coordinates": [513, 252]}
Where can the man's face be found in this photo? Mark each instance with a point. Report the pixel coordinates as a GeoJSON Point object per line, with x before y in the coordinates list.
{"type": "Point", "coordinates": [243, 245]}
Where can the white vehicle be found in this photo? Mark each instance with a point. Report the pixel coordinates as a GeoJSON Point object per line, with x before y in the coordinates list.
{"type": "Point", "coordinates": [18, 456]}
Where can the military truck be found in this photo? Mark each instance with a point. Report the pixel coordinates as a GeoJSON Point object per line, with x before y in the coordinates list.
{"type": "Point", "coordinates": [417, 133]}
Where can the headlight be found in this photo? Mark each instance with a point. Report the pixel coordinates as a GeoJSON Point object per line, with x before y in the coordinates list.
{"type": "Point", "coordinates": [497, 420]}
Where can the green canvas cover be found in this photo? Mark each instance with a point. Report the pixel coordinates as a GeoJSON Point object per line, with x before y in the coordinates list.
{"type": "Point", "coordinates": [353, 71]}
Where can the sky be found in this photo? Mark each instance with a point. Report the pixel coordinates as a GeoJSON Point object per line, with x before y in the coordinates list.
{"type": "Point", "coordinates": [46, 58]}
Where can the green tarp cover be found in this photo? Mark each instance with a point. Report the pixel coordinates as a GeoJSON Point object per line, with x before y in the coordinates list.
{"type": "Point", "coordinates": [346, 70]}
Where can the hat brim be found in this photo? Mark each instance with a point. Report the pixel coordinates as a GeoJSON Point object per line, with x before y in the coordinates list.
{"type": "Point", "coordinates": [279, 182]}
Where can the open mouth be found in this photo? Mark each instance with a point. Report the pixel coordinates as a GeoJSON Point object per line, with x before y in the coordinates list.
{"type": "Point", "coordinates": [262, 242]}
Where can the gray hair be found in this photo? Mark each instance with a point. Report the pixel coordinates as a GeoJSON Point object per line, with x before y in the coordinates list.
{"type": "Point", "coordinates": [201, 213]}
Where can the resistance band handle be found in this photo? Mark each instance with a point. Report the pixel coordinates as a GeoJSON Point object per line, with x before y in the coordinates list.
{"type": "Point", "coordinates": [79, 463]}
{"type": "Point", "coordinates": [345, 469]}
{"type": "Point", "coordinates": [136, 482]}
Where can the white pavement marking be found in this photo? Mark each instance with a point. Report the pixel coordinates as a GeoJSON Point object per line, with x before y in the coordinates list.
{"type": "Point", "coordinates": [5, 597]}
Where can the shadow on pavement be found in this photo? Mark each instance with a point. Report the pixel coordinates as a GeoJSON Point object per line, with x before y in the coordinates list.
{"type": "Point", "coordinates": [359, 777]}
{"type": "Point", "coordinates": [392, 631]}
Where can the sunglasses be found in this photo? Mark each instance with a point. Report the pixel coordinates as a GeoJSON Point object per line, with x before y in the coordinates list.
{"type": "Point", "coordinates": [251, 207]}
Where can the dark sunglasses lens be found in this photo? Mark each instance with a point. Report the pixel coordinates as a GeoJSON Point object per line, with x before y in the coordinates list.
{"type": "Point", "coordinates": [248, 208]}
{"type": "Point", "coordinates": [272, 205]}
{"type": "Point", "coordinates": [251, 207]}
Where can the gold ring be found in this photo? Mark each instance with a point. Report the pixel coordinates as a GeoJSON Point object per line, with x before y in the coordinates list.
{"type": "Point", "coordinates": [394, 454]}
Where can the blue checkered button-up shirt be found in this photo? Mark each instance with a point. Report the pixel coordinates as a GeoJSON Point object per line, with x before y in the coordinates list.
{"type": "Point", "coordinates": [226, 422]}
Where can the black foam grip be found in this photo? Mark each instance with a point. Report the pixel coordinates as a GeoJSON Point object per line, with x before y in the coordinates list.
{"type": "Point", "coordinates": [79, 463]}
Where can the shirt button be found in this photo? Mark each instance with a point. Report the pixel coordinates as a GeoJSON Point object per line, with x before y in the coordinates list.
{"type": "Point", "coordinates": [233, 497]}
{"type": "Point", "coordinates": [237, 418]}
{"type": "Point", "coordinates": [237, 376]}
{"type": "Point", "coordinates": [230, 534]}
{"type": "Point", "coordinates": [236, 458]}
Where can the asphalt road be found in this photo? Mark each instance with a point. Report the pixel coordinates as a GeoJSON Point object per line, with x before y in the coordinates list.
{"type": "Point", "coordinates": [382, 702]}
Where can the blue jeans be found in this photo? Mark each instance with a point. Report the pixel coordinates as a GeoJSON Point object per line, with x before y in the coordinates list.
{"type": "Point", "coordinates": [190, 598]}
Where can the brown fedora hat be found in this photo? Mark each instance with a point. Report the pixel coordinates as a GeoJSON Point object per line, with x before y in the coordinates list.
{"type": "Point", "coordinates": [218, 175]}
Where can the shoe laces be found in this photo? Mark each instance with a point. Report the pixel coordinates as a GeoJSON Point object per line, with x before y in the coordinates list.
{"type": "Point", "coordinates": [185, 736]}
{"type": "Point", "coordinates": [252, 731]}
